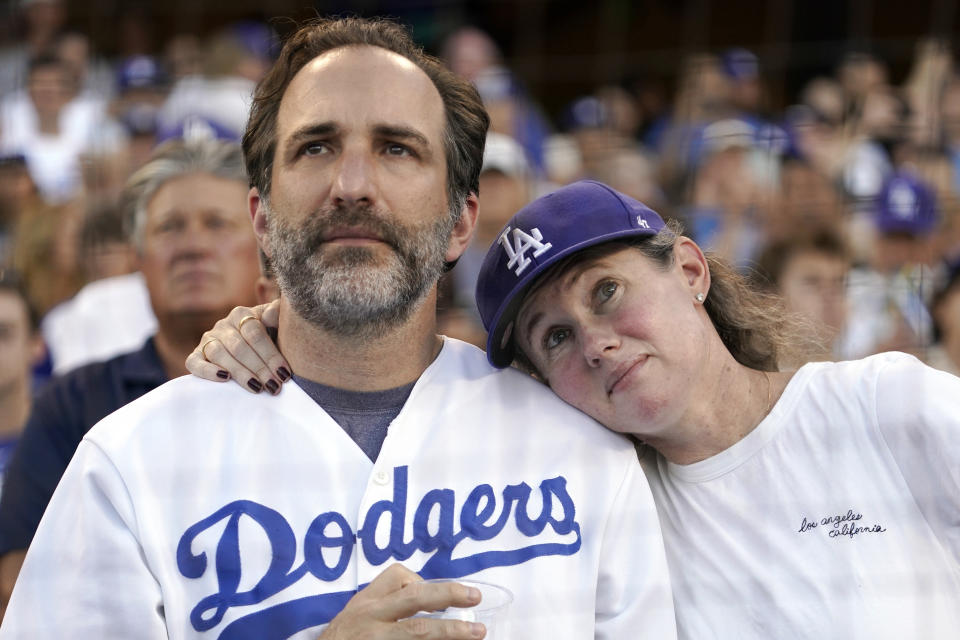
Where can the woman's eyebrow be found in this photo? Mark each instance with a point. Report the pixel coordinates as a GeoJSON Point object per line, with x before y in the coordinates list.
{"type": "Point", "coordinates": [531, 324]}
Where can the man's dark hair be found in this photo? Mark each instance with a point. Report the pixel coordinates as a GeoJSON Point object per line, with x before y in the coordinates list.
{"type": "Point", "coordinates": [466, 125]}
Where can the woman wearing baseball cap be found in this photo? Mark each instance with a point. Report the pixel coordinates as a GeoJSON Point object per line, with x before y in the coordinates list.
{"type": "Point", "coordinates": [818, 503]}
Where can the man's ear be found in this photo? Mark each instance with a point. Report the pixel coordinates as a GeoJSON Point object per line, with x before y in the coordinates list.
{"type": "Point", "coordinates": [463, 230]}
{"type": "Point", "coordinates": [693, 265]}
{"type": "Point", "coordinates": [258, 215]}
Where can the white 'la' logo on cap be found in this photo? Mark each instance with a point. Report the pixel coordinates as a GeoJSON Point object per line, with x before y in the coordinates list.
{"type": "Point", "coordinates": [522, 242]}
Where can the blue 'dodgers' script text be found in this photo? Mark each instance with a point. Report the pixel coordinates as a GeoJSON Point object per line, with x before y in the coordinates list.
{"type": "Point", "coordinates": [479, 520]}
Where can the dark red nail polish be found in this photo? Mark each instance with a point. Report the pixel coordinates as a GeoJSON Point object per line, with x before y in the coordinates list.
{"type": "Point", "coordinates": [255, 385]}
{"type": "Point", "coordinates": [272, 386]}
{"type": "Point", "coordinates": [283, 373]}
{"type": "Point", "coordinates": [223, 375]}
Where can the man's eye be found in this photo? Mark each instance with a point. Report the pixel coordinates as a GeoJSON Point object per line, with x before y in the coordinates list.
{"type": "Point", "coordinates": [314, 149]}
{"type": "Point", "coordinates": [168, 226]}
{"type": "Point", "coordinates": [394, 149]}
{"type": "Point", "coordinates": [555, 337]}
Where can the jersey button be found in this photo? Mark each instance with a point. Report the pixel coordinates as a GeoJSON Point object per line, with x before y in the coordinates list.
{"type": "Point", "coordinates": [381, 478]}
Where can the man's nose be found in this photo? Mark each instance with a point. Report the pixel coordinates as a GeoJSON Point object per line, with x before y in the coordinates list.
{"type": "Point", "coordinates": [197, 239]}
{"type": "Point", "coordinates": [354, 182]}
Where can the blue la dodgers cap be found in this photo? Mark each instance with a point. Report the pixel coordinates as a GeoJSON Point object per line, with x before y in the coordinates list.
{"type": "Point", "coordinates": [141, 72]}
{"type": "Point", "coordinates": [906, 204]}
{"type": "Point", "coordinates": [544, 232]}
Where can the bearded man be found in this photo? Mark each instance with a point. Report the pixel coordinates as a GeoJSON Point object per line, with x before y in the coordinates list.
{"type": "Point", "coordinates": [202, 508]}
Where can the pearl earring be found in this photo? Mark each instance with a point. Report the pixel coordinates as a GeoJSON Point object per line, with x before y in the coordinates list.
{"type": "Point", "coordinates": [700, 298]}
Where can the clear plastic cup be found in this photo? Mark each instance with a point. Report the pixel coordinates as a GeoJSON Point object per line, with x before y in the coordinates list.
{"type": "Point", "coordinates": [492, 610]}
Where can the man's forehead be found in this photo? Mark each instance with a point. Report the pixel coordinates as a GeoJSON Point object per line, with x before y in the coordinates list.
{"type": "Point", "coordinates": [367, 55]}
{"type": "Point", "coordinates": [183, 193]}
{"type": "Point", "coordinates": [384, 81]}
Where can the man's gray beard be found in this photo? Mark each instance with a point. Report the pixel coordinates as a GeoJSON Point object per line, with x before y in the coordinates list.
{"type": "Point", "coordinates": [354, 291]}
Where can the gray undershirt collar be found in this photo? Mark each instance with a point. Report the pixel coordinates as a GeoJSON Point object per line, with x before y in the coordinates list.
{"type": "Point", "coordinates": [364, 415]}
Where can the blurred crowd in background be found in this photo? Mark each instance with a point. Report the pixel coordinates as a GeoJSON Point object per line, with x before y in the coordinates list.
{"type": "Point", "coordinates": [847, 201]}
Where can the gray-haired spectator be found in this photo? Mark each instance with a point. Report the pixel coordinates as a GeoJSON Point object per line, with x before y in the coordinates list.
{"type": "Point", "coordinates": [198, 256]}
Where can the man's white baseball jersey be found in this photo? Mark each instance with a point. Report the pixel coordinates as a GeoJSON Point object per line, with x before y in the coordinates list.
{"type": "Point", "coordinates": [203, 511]}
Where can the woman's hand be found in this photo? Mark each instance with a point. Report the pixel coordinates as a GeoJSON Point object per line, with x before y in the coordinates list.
{"type": "Point", "coordinates": [239, 347]}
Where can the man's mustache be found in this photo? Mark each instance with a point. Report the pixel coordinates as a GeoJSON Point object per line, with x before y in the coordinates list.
{"type": "Point", "coordinates": [322, 225]}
